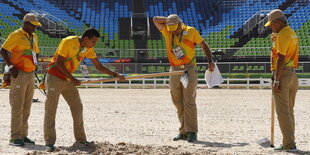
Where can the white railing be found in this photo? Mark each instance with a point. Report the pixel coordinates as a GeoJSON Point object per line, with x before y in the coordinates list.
{"type": "Point", "coordinates": [164, 83]}
{"type": "Point", "coordinates": [159, 83]}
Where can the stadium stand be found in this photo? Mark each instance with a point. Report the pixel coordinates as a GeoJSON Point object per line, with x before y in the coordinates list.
{"type": "Point", "coordinates": [96, 13]}
{"type": "Point", "coordinates": [298, 16]}
{"type": "Point", "coordinates": [219, 21]}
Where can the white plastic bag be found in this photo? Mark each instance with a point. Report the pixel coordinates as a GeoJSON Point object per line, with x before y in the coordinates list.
{"type": "Point", "coordinates": [213, 78]}
{"type": "Point", "coordinates": [184, 80]}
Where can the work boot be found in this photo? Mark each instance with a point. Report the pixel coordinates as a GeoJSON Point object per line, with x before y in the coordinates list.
{"type": "Point", "coordinates": [282, 148]}
{"type": "Point", "coordinates": [16, 142]}
{"type": "Point", "coordinates": [180, 136]}
{"type": "Point", "coordinates": [49, 147]}
{"type": "Point", "coordinates": [85, 142]}
{"type": "Point", "coordinates": [29, 141]}
{"type": "Point", "coordinates": [192, 136]}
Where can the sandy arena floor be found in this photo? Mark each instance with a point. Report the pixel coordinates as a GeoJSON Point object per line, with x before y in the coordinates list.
{"type": "Point", "coordinates": [137, 121]}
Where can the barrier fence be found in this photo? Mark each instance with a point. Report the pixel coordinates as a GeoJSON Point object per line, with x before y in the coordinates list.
{"type": "Point", "coordinates": [156, 83]}
{"type": "Point", "coordinates": [147, 68]}
{"type": "Point", "coordinates": [224, 67]}
{"type": "Point", "coordinates": [154, 54]}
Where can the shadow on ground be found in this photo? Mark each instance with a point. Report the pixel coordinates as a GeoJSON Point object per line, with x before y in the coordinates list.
{"type": "Point", "coordinates": [221, 145]}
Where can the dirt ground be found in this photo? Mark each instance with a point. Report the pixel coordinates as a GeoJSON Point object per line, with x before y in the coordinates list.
{"type": "Point", "coordinates": [144, 121]}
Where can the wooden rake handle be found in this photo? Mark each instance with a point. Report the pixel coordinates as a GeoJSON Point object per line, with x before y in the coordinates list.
{"type": "Point", "coordinates": [272, 121]}
{"type": "Point", "coordinates": [136, 77]}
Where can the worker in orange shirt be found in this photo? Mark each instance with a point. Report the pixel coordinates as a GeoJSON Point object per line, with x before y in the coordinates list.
{"type": "Point", "coordinates": [180, 47]}
{"type": "Point", "coordinates": [285, 81]}
{"type": "Point", "coordinates": [22, 45]}
{"type": "Point", "coordinates": [67, 58]}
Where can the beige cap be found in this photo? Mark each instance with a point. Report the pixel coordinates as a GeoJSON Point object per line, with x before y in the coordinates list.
{"type": "Point", "coordinates": [32, 18]}
{"type": "Point", "coordinates": [273, 15]}
{"type": "Point", "coordinates": [172, 22]}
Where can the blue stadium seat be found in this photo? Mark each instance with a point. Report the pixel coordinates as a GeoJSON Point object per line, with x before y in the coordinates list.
{"type": "Point", "coordinates": [209, 17]}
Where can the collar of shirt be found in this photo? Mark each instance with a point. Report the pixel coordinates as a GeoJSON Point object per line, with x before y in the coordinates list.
{"type": "Point", "coordinates": [183, 26]}
{"type": "Point", "coordinates": [284, 28]}
{"type": "Point", "coordinates": [24, 32]}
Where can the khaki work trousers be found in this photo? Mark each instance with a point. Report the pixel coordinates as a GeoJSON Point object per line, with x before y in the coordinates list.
{"type": "Point", "coordinates": [285, 101]}
{"type": "Point", "coordinates": [184, 99]}
{"type": "Point", "coordinates": [56, 86]}
{"type": "Point", "coordinates": [21, 93]}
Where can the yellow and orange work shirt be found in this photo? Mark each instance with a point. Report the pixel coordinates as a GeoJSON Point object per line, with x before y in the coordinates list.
{"type": "Point", "coordinates": [70, 49]}
{"type": "Point", "coordinates": [189, 37]}
{"type": "Point", "coordinates": [20, 44]}
{"type": "Point", "coordinates": [286, 44]}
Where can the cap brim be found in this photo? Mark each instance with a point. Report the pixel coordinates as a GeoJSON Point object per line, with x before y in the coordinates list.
{"type": "Point", "coordinates": [36, 23]}
{"type": "Point", "coordinates": [172, 27]}
{"type": "Point", "coordinates": [268, 23]}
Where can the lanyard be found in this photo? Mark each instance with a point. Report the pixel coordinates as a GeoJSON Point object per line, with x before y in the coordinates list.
{"type": "Point", "coordinates": [30, 40]}
{"type": "Point", "coordinates": [54, 64]}
{"type": "Point", "coordinates": [180, 39]}
{"type": "Point", "coordinates": [77, 55]}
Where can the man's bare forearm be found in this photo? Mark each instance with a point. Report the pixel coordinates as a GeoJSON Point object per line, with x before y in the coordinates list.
{"type": "Point", "coordinates": [280, 66]}
{"type": "Point", "coordinates": [159, 22]}
{"type": "Point", "coordinates": [105, 70]}
{"type": "Point", "coordinates": [206, 49]}
{"type": "Point", "coordinates": [5, 56]}
{"type": "Point", "coordinates": [64, 71]}
{"type": "Point", "coordinates": [207, 52]}
{"type": "Point", "coordinates": [160, 19]}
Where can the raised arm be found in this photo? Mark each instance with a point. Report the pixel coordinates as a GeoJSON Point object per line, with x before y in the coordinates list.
{"type": "Point", "coordinates": [159, 22]}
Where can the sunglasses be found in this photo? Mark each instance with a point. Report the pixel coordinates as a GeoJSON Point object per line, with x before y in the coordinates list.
{"type": "Point", "coordinates": [273, 21]}
{"type": "Point", "coordinates": [31, 24]}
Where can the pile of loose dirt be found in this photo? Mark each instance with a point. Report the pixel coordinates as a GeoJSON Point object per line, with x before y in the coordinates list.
{"type": "Point", "coordinates": [121, 148]}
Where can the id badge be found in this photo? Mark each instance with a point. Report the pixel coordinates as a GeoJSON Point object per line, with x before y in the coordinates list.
{"type": "Point", "coordinates": [178, 52]}
{"type": "Point", "coordinates": [34, 57]}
